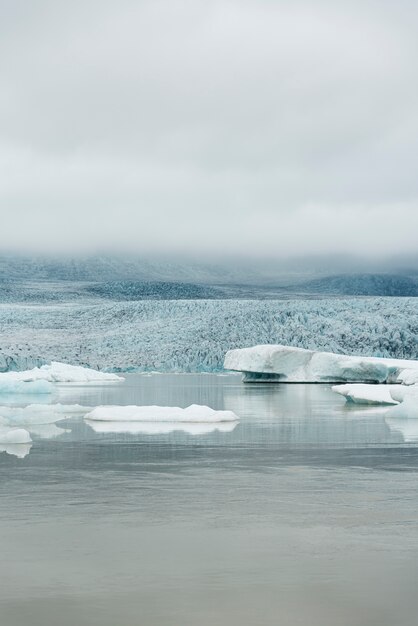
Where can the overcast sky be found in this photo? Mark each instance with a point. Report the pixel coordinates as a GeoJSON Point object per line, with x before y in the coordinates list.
{"type": "Point", "coordinates": [267, 127]}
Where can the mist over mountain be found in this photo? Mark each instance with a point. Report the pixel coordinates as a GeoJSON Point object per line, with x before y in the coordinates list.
{"type": "Point", "coordinates": [227, 271]}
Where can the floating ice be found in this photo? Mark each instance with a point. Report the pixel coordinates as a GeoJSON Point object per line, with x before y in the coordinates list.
{"type": "Point", "coordinates": [288, 364]}
{"type": "Point", "coordinates": [367, 394]}
{"type": "Point", "coordinates": [193, 414]}
{"type": "Point", "coordinates": [158, 428]}
{"type": "Point", "coordinates": [14, 435]}
{"type": "Point", "coordinates": [59, 373]}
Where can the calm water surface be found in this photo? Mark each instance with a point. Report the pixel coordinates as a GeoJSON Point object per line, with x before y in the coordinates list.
{"type": "Point", "coordinates": [303, 513]}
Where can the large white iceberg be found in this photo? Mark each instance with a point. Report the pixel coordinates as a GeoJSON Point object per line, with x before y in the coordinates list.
{"type": "Point", "coordinates": [288, 364]}
{"type": "Point", "coordinates": [59, 373]}
{"type": "Point", "coordinates": [192, 414]}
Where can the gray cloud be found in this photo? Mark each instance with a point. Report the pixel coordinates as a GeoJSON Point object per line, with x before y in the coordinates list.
{"type": "Point", "coordinates": [272, 127]}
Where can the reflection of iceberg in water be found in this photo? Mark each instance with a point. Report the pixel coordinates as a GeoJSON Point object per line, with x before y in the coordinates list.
{"type": "Point", "coordinates": [16, 449]}
{"type": "Point", "coordinates": [160, 428]}
{"type": "Point", "coordinates": [39, 413]}
{"type": "Point", "coordinates": [46, 431]}
{"type": "Point", "coordinates": [407, 428]}
{"type": "Point", "coordinates": [286, 414]}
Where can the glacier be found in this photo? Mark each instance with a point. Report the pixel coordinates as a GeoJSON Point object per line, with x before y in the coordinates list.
{"type": "Point", "coordinates": [194, 335]}
{"type": "Point", "coordinates": [289, 364]}
{"type": "Point", "coordinates": [192, 414]}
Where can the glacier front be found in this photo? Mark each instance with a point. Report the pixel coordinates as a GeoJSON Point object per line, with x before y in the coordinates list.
{"type": "Point", "coordinates": [279, 363]}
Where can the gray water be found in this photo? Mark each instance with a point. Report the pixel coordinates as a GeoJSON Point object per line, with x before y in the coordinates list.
{"type": "Point", "coordinates": [304, 513]}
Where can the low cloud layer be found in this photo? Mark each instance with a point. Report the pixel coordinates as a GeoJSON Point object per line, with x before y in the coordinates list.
{"type": "Point", "coordinates": [244, 126]}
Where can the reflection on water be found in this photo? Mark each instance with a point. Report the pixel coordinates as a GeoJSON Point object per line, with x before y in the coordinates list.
{"type": "Point", "coordinates": [160, 428]}
{"type": "Point", "coordinates": [298, 514]}
{"type": "Point", "coordinates": [20, 450]}
{"type": "Point", "coordinates": [46, 431]}
{"type": "Point", "coordinates": [407, 427]}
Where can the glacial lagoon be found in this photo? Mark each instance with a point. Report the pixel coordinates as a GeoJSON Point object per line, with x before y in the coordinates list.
{"type": "Point", "coordinates": [304, 512]}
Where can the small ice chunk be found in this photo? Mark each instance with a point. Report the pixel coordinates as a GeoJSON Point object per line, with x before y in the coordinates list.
{"type": "Point", "coordinates": [194, 413]}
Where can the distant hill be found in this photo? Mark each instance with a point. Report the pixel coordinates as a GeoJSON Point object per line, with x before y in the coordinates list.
{"type": "Point", "coordinates": [360, 285]}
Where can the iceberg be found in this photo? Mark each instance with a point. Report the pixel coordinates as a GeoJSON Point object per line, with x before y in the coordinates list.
{"type": "Point", "coordinates": [193, 414]}
{"type": "Point", "coordinates": [277, 363]}
{"type": "Point", "coordinates": [160, 428]}
{"type": "Point", "coordinates": [367, 394]}
{"type": "Point", "coordinates": [59, 373]}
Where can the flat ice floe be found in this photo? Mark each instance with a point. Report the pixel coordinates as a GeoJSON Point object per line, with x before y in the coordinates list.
{"type": "Point", "coordinates": [58, 373]}
{"type": "Point", "coordinates": [192, 414]}
{"type": "Point", "coordinates": [160, 428]}
{"type": "Point", "coordinates": [288, 364]}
